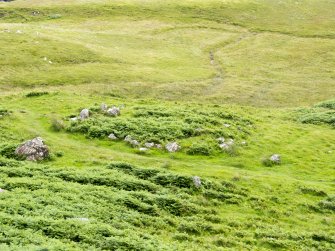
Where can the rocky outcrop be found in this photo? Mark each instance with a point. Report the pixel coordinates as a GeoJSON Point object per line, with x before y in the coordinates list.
{"type": "Point", "coordinates": [33, 150]}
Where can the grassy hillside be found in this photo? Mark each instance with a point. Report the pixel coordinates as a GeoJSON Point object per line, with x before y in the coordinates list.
{"type": "Point", "coordinates": [259, 72]}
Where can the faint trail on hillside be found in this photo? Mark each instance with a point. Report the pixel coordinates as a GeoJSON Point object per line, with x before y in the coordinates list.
{"type": "Point", "coordinates": [218, 80]}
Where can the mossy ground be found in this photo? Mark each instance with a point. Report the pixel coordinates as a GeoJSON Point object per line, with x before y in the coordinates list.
{"type": "Point", "coordinates": [271, 63]}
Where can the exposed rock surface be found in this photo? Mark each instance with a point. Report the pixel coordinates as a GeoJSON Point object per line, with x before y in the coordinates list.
{"type": "Point", "coordinates": [33, 150]}
{"type": "Point", "coordinates": [172, 147]}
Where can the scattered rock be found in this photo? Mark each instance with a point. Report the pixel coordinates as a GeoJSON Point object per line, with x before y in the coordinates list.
{"type": "Point", "coordinates": [33, 150]}
{"type": "Point", "coordinates": [227, 145]}
{"type": "Point", "coordinates": [84, 114]}
{"type": "Point", "coordinates": [128, 138]}
{"type": "Point", "coordinates": [112, 136]}
{"type": "Point", "coordinates": [196, 181]}
{"type": "Point", "coordinates": [172, 147]}
{"type": "Point", "coordinates": [134, 143]}
{"type": "Point", "coordinates": [74, 119]}
{"type": "Point", "coordinates": [221, 140]}
{"type": "Point", "coordinates": [114, 111]}
{"type": "Point", "coordinates": [143, 149]}
{"type": "Point", "coordinates": [149, 145]}
{"type": "Point", "coordinates": [158, 146]}
{"type": "Point", "coordinates": [226, 125]}
{"type": "Point", "coordinates": [2, 190]}
{"type": "Point", "coordinates": [103, 107]}
{"type": "Point", "coordinates": [275, 158]}
{"type": "Point", "coordinates": [244, 143]}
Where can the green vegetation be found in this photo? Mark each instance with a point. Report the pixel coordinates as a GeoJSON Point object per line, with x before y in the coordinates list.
{"type": "Point", "coordinates": [158, 124]}
{"type": "Point", "coordinates": [322, 113]}
{"type": "Point", "coordinates": [258, 72]}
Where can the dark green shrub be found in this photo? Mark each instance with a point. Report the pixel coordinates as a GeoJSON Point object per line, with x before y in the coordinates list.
{"type": "Point", "coordinates": [8, 151]}
{"type": "Point", "coordinates": [199, 149]}
{"type": "Point", "coordinates": [36, 94]}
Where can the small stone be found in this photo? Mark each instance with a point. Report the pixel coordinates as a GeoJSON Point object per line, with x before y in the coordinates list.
{"type": "Point", "coordinates": [114, 111]}
{"type": "Point", "coordinates": [84, 114]}
{"type": "Point", "coordinates": [103, 107]}
{"type": "Point", "coordinates": [275, 158]}
{"type": "Point", "coordinates": [221, 140]}
{"type": "Point", "coordinates": [134, 143]}
{"type": "Point", "coordinates": [158, 146]}
{"type": "Point", "coordinates": [143, 149]}
{"type": "Point", "coordinates": [224, 146]}
{"type": "Point", "coordinates": [226, 125]}
{"type": "Point", "coordinates": [196, 181]}
{"type": "Point", "coordinates": [2, 190]}
{"type": "Point", "coordinates": [128, 138]}
{"type": "Point", "coordinates": [149, 145]}
{"type": "Point", "coordinates": [112, 136]}
{"type": "Point", "coordinates": [243, 143]}
{"type": "Point", "coordinates": [74, 119]}
{"type": "Point", "coordinates": [172, 147]}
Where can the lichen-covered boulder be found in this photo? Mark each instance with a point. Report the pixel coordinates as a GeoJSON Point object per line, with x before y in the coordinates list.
{"type": "Point", "coordinates": [33, 150]}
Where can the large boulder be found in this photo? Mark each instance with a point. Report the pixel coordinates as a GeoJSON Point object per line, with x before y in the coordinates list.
{"type": "Point", "coordinates": [84, 114]}
{"type": "Point", "coordinates": [172, 147]}
{"type": "Point", "coordinates": [33, 150]}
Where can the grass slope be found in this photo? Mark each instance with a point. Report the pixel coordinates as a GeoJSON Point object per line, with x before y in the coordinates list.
{"type": "Point", "coordinates": [183, 70]}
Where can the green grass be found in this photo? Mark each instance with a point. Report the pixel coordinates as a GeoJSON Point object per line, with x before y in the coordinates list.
{"type": "Point", "coordinates": [183, 70]}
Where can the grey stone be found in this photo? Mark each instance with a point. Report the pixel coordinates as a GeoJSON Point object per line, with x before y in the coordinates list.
{"type": "Point", "coordinates": [275, 158]}
{"type": "Point", "coordinates": [33, 150]}
{"type": "Point", "coordinates": [84, 114]}
{"type": "Point", "coordinates": [196, 181]}
{"type": "Point", "coordinates": [172, 147]}
{"type": "Point", "coordinates": [128, 138]}
{"type": "Point", "coordinates": [221, 140]}
{"type": "Point", "coordinates": [103, 107]}
{"type": "Point", "coordinates": [114, 111]}
{"type": "Point", "coordinates": [149, 145]}
{"type": "Point", "coordinates": [112, 136]}
{"type": "Point", "coordinates": [143, 149]}
{"type": "Point", "coordinates": [134, 143]}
